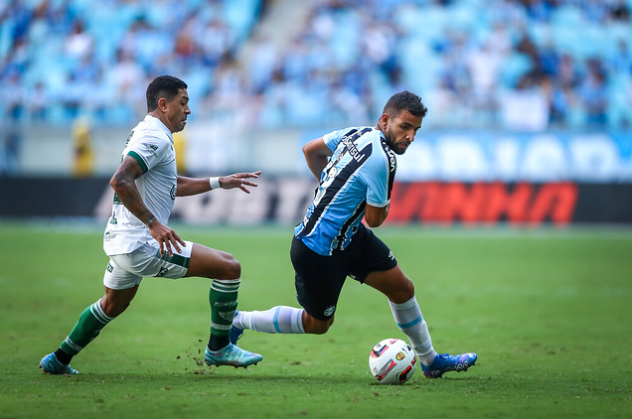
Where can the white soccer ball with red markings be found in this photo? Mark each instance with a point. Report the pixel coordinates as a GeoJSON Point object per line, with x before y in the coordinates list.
{"type": "Point", "coordinates": [392, 361]}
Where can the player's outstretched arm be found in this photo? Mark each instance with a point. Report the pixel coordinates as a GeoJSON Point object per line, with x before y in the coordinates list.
{"type": "Point", "coordinates": [193, 186]}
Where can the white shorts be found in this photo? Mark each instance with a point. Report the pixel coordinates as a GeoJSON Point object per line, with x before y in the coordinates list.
{"type": "Point", "coordinates": [127, 270]}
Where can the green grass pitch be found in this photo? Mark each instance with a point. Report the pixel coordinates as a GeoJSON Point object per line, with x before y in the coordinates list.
{"type": "Point", "coordinates": [549, 313]}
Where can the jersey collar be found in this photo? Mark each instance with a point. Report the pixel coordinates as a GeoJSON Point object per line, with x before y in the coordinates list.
{"type": "Point", "coordinates": [150, 119]}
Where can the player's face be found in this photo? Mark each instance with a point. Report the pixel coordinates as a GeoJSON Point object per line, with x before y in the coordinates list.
{"type": "Point", "coordinates": [178, 110]}
{"type": "Point", "coordinates": [400, 130]}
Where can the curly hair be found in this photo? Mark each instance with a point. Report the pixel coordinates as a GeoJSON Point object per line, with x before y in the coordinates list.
{"type": "Point", "coordinates": [405, 101]}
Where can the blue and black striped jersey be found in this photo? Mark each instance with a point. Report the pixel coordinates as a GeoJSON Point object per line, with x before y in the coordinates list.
{"type": "Point", "coordinates": [360, 171]}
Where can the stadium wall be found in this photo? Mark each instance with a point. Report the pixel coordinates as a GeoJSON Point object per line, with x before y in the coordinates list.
{"type": "Point", "coordinates": [283, 200]}
{"type": "Point", "coordinates": [462, 156]}
{"type": "Point", "coordinates": [446, 177]}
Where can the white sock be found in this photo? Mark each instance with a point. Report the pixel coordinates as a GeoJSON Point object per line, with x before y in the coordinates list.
{"type": "Point", "coordinates": [409, 319]}
{"type": "Point", "coordinates": [280, 319]}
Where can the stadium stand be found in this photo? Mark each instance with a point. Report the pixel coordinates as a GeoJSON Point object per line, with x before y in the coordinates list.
{"type": "Point", "coordinates": [527, 64]}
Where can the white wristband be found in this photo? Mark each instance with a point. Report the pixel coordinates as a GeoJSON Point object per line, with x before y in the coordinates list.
{"type": "Point", "coordinates": [214, 182]}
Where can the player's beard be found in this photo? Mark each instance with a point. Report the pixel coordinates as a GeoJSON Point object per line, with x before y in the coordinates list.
{"type": "Point", "coordinates": [398, 149]}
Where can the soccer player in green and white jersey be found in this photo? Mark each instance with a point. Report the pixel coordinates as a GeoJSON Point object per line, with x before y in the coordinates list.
{"type": "Point", "coordinates": [139, 242]}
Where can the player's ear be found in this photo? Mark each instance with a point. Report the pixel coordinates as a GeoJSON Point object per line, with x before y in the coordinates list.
{"type": "Point", "coordinates": [384, 120]}
{"type": "Point", "coordinates": [162, 104]}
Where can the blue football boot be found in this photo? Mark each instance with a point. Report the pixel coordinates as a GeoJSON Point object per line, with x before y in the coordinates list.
{"type": "Point", "coordinates": [445, 362]}
{"type": "Point", "coordinates": [51, 365]}
{"type": "Point", "coordinates": [231, 355]}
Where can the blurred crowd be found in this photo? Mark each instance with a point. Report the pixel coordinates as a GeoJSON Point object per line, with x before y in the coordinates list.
{"type": "Point", "coordinates": [61, 59]}
{"type": "Point", "coordinates": [516, 64]}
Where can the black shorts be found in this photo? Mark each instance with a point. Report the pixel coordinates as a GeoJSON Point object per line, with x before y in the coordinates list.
{"type": "Point", "coordinates": [319, 279]}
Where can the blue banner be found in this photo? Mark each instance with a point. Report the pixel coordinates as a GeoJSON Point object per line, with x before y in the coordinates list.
{"type": "Point", "coordinates": [600, 157]}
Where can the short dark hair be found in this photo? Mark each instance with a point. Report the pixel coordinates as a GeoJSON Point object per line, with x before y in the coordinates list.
{"type": "Point", "coordinates": [163, 86]}
{"type": "Point", "coordinates": [405, 101]}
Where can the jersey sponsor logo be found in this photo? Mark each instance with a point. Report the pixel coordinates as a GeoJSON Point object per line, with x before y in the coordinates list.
{"type": "Point", "coordinates": [392, 163]}
{"type": "Point", "coordinates": [329, 311]}
{"type": "Point", "coordinates": [162, 272]}
{"type": "Point", "coordinates": [333, 181]}
{"type": "Point", "coordinates": [351, 148]}
{"type": "Point", "coordinates": [392, 159]}
{"type": "Point", "coordinates": [129, 137]}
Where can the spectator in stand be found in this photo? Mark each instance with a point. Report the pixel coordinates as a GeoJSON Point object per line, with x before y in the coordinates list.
{"type": "Point", "coordinates": [79, 44]}
{"type": "Point", "coordinates": [594, 94]}
{"type": "Point", "coordinates": [37, 102]}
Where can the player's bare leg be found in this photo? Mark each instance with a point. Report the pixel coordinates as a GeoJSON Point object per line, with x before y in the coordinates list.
{"type": "Point", "coordinates": [315, 326]}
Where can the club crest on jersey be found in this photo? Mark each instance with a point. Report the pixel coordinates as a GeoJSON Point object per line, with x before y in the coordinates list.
{"type": "Point", "coordinates": [329, 311]}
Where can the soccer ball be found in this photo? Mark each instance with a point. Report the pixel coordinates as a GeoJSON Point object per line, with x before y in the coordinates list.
{"type": "Point", "coordinates": [392, 361]}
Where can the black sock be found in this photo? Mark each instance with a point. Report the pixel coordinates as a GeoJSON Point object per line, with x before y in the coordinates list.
{"type": "Point", "coordinates": [216, 343]}
{"type": "Point", "coordinates": [63, 357]}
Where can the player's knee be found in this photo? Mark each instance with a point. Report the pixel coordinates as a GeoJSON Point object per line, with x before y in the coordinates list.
{"type": "Point", "coordinates": [115, 302]}
{"type": "Point", "coordinates": [317, 327]}
{"type": "Point", "coordinates": [408, 289]}
{"type": "Point", "coordinates": [231, 268]}
{"type": "Point", "coordinates": [403, 292]}
{"type": "Point", "coordinates": [113, 308]}
{"type": "Point", "coordinates": [320, 329]}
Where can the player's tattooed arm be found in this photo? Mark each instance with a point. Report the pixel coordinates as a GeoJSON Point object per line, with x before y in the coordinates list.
{"type": "Point", "coordinates": [147, 218]}
{"type": "Point", "coordinates": [123, 183]}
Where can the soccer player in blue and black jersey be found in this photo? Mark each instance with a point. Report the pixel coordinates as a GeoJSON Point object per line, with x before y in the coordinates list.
{"type": "Point", "coordinates": [355, 167]}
